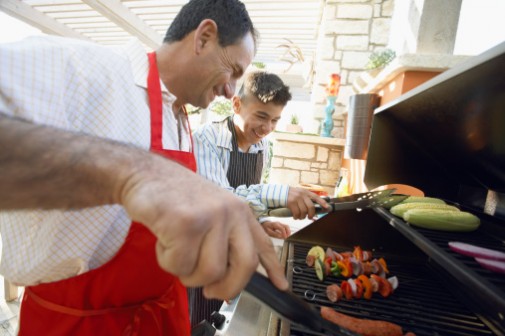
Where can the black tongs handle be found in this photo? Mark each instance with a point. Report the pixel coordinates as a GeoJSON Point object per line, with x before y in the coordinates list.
{"type": "Point", "coordinates": [291, 306]}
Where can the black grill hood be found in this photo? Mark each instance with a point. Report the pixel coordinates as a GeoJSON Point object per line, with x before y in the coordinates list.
{"type": "Point", "coordinates": [447, 136]}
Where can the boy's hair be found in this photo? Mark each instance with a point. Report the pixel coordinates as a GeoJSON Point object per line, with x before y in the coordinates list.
{"type": "Point", "coordinates": [266, 87]}
{"type": "Point", "coordinates": [232, 19]}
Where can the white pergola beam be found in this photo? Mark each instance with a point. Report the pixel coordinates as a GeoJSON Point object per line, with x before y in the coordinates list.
{"type": "Point", "coordinates": [116, 12]}
{"type": "Point", "coordinates": [46, 24]}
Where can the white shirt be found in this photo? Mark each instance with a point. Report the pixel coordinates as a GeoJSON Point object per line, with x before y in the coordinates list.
{"type": "Point", "coordinates": [84, 87]}
{"type": "Point", "coordinates": [213, 144]}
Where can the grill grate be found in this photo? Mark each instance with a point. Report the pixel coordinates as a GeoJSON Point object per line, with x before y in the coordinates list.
{"type": "Point", "coordinates": [479, 238]}
{"type": "Point", "coordinates": [420, 304]}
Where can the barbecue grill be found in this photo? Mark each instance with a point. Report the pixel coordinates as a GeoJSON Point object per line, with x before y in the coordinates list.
{"type": "Point", "coordinates": [447, 138]}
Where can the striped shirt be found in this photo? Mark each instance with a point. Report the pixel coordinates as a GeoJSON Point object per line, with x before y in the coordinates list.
{"type": "Point", "coordinates": [83, 87]}
{"type": "Point", "coordinates": [213, 144]}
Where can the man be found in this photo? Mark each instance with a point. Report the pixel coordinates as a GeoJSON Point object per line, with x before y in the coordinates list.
{"type": "Point", "coordinates": [234, 152]}
{"type": "Point", "coordinates": [90, 267]}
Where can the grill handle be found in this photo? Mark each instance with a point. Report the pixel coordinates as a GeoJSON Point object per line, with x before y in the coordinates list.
{"type": "Point", "coordinates": [291, 306]}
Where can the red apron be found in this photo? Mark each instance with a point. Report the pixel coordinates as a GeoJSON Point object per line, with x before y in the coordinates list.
{"type": "Point", "coordinates": [130, 294]}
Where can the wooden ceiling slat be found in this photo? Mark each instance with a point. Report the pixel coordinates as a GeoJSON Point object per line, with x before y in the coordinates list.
{"type": "Point", "coordinates": [51, 2]}
{"type": "Point", "coordinates": [27, 14]}
{"type": "Point", "coordinates": [97, 25]}
{"type": "Point", "coordinates": [111, 22]}
{"type": "Point", "coordinates": [96, 19]}
{"type": "Point", "coordinates": [62, 8]}
{"type": "Point", "coordinates": [122, 16]}
{"type": "Point", "coordinates": [71, 15]}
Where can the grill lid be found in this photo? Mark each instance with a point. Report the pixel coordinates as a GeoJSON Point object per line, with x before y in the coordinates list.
{"type": "Point", "coordinates": [445, 137]}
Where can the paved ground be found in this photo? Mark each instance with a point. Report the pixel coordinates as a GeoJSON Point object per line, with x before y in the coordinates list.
{"type": "Point", "coordinates": [9, 312]}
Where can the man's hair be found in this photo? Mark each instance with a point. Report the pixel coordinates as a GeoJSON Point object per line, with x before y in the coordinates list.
{"type": "Point", "coordinates": [232, 19]}
{"type": "Point", "coordinates": [266, 87]}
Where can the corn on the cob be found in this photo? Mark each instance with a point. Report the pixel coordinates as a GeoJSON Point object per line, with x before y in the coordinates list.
{"type": "Point", "coordinates": [442, 220]}
{"type": "Point", "coordinates": [400, 209]}
{"type": "Point", "coordinates": [422, 199]}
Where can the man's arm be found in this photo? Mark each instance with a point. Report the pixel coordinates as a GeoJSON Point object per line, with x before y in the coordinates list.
{"type": "Point", "coordinates": [44, 167]}
{"type": "Point", "coordinates": [213, 166]}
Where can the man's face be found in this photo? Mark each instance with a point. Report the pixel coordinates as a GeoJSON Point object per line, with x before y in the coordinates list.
{"type": "Point", "coordinates": [220, 70]}
{"type": "Point", "coordinates": [254, 119]}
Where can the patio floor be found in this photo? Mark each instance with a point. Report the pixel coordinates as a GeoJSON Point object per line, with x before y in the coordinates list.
{"type": "Point", "coordinates": [9, 313]}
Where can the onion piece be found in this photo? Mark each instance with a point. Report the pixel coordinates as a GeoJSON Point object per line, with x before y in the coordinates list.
{"type": "Point", "coordinates": [329, 254]}
{"type": "Point", "coordinates": [357, 268]}
{"type": "Point", "coordinates": [394, 282]}
{"type": "Point", "coordinates": [492, 265]}
{"type": "Point", "coordinates": [338, 256]}
{"type": "Point", "coordinates": [354, 288]}
{"type": "Point", "coordinates": [476, 251]}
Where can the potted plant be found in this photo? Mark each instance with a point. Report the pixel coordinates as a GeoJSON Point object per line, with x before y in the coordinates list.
{"type": "Point", "coordinates": [293, 126]}
{"type": "Point", "coordinates": [378, 60]}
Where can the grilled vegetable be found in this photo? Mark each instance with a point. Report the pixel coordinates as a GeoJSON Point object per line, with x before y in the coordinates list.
{"type": "Point", "coordinates": [422, 199]}
{"type": "Point", "coordinates": [442, 220]}
{"type": "Point", "coordinates": [476, 251]}
{"type": "Point", "coordinates": [367, 286]}
{"type": "Point", "coordinates": [346, 289]}
{"type": "Point", "coordinates": [385, 288]}
{"type": "Point", "coordinates": [316, 252]}
{"type": "Point", "coordinates": [395, 199]}
{"type": "Point", "coordinates": [319, 268]}
{"type": "Point", "coordinates": [393, 281]}
{"type": "Point", "coordinates": [400, 209]}
{"type": "Point", "coordinates": [492, 265]}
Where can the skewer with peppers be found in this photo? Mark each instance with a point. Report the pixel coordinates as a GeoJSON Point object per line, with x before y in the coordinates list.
{"type": "Point", "coordinates": [370, 273]}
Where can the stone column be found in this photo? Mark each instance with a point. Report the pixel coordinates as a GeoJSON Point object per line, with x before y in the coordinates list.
{"type": "Point", "coordinates": [425, 26]}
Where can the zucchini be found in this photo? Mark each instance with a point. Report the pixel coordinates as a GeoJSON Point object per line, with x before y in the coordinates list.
{"type": "Point", "coordinates": [318, 252]}
{"type": "Point", "coordinates": [422, 199]}
{"type": "Point", "coordinates": [442, 220]}
{"type": "Point", "coordinates": [400, 209]}
{"type": "Point", "coordinates": [319, 267]}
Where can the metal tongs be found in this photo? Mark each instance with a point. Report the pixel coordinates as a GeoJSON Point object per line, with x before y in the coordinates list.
{"type": "Point", "coordinates": [371, 199]}
{"type": "Point", "coordinates": [290, 306]}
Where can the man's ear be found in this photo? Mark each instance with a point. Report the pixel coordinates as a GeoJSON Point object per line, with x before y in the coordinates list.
{"type": "Point", "coordinates": [205, 32]}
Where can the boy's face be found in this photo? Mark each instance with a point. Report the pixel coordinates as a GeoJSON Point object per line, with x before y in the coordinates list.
{"type": "Point", "coordinates": [254, 119]}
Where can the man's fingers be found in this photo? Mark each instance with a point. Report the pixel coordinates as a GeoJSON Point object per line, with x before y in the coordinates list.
{"type": "Point", "coordinates": [269, 258]}
{"type": "Point", "coordinates": [320, 201]}
{"type": "Point", "coordinates": [212, 258]}
{"type": "Point", "coordinates": [241, 263]}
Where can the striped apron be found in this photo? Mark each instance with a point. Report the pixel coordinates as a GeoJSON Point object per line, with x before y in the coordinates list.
{"type": "Point", "coordinates": [244, 168]}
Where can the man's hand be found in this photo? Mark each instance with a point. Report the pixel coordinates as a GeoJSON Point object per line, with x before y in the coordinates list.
{"type": "Point", "coordinates": [301, 203]}
{"type": "Point", "coordinates": [206, 235]}
{"type": "Point", "coordinates": [276, 229]}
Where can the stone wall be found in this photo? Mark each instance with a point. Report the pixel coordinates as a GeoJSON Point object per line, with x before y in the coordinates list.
{"type": "Point", "coordinates": [350, 31]}
{"type": "Point", "coordinates": [310, 159]}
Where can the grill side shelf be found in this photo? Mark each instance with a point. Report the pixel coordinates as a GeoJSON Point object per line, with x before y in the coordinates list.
{"type": "Point", "coordinates": [485, 295]}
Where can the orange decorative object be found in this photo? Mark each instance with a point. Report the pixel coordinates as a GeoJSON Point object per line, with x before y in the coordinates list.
{"type": "Point", "coordinates": [333, 85]}
{"type": "Point", "coordinates": [316, 189]}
